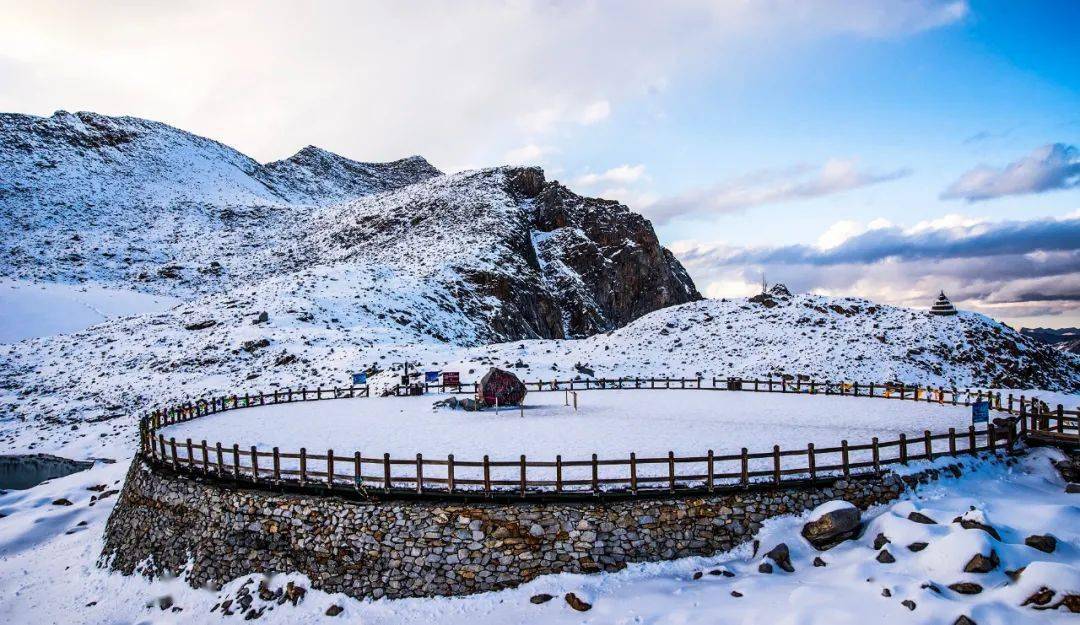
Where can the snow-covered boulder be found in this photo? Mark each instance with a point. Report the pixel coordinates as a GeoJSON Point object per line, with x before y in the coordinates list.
{"type": "Point", "coordinates": [831, 523]}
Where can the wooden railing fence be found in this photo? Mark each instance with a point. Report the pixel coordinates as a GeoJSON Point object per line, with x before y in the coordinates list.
{"type": "Point", "coordinates": [374, 475]}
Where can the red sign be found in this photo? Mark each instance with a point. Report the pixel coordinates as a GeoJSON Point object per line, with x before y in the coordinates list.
{"type": "Point", "coordinates": [451, 378]}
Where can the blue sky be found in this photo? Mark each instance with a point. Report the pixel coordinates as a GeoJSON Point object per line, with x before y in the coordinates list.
{"type": "Point", "coordinates": [844, 134]}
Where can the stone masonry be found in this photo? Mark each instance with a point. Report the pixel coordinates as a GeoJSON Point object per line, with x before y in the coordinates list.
{"type": "Point", "coordinates": [397, 549]}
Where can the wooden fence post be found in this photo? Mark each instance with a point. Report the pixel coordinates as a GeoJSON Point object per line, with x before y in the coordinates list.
{"type": "Point", "coordinates": [558, 474]}
{"type": "Point", "coordinates": [254, 463]}
{"type": "Point", "coordinates": [709, 483]}
{"type": "Point", "coordinates": [487, 476]}
{"type": "Point", "coordinates": [236, 461]}
{"type": "Point", "coordinates": [450, 472]}
{"type": "Point", "coordinates": [876, 451]}
{"type": "Point", "coordinates": [277, 465]}
{"type": "Point", "coordinates": [386, 472]}
{"type": "Point", "coordinates": [928, 445]}
{"type": "Point", "coordinates": [745, 468]}
{"type": "Point", "coordinates": [524, 481]}
{"type": "Point", "coordinates": [903, 448]}
{"type": "Point", "coordinates": [419, 474]}
{"type": "Point", "coordinates": [844, 457]}
{"type": "Point", "coordinates": [633, 473]}
{"type": "Point", "coordinates": [810, 461]}
{"type": "Point", "coordinates": [595, 476]}
{"type": "Point", "coordinates": [330, 468]}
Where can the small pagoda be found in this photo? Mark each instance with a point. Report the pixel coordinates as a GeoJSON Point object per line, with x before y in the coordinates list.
{"type": "Point", "coordinates": [943, 306]}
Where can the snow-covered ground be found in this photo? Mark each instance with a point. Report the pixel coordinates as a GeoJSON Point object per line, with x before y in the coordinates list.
{"type": "Point", "coordinates": [48, 571]}
{"type": "Point", "coordinates": [609, 423]}
{"type": "Point", "coordinates": [34, 309]}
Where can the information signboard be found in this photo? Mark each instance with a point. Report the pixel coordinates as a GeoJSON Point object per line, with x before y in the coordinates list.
{"type": "Point", "coordinates": [359, 378]}
{"type": "Point", "coordinates": [980, 412]}
{"type": "Point", "coordinates": [452, 378]}
{"type": "Point", "coordinates": [431, 376]}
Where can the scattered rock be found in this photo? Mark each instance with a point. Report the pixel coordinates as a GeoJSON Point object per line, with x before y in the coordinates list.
{"type": "Point", "coordinates": [918, 546]}
{"type": "Point", "coordinates": [972, 524]}
{"type": "Point", "coordinates": [333, 610]}
{"type": "Point", "coordinates": [839, 523]}
{"type": "Point", "coordinates": [818, 561]}
{"type": "Point", "coordinates": [736, 593]}
{"type": "Point", "coordinates": [540, 598]}
{"type": "Point", "coordinates": [885, 557]}
{"type": "Point", "coordinates": [765, 567]}
{"type": "Point", "coordinates": [577, 603]}
{"type": "Point", "coordinates": [262, 318]}
{"type": "Point", "coordinates": [885, 592]}
{"type": "Point", "coordinates": [1015, 575]}
{"type": "Point", "coordinates": [61, 502]}
{"type": "Point", "coordinates": [697, 574]}
{"type": "Point", "coordinates": [919, 517]}
{"type": "Point", "coordinates": [780, 555]}
{"type": "Point", "coordinates": [1045, 543]}
{"type": "Point", "coordinates": [982, 564]}
{"type": "Point", "coordinates": [964, 620]}
{"type": "Point", "coordinates": [909, 604]}
{"type": "Point", "coordinates": [1072, 488]}
{"type": "Point", "coordinates": [1042, 597]}
{"type": "Point", "coordinates": [165, 602]}
{"type": "Point", "coordinates": [880, 541]}
{"type": "Point", "coordinates": [201, 325]}
{"type": "Point", "coordinates": [1072, 603]}
{"type": "Point", "coordinates": [293, 594]}
{"type": "Point", "coordinates": [253, 345]}
{"type": "Point", "coordinates": [966, 588]}
{"type": "Point", "coordinates": [931, 587]}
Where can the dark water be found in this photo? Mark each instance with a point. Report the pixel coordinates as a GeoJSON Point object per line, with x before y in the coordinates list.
{"type": "Point", "coordinates": [19, 472]}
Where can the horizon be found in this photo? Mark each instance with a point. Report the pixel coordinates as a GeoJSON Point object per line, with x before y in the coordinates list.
{"type": "Point", "coordinates": [886, 152]}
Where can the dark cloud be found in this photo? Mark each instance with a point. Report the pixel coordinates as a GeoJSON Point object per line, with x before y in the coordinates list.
{"type": "Point", "coordinates": [1005, 269]}
{"type": "Point", "coordinates": [1054, 166]}
{"type": "Point", "coordinates": [1005, 238]}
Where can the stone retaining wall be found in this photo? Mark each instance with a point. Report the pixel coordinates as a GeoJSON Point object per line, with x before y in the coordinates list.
{"type": "Point", "coordinates": [396, 549]}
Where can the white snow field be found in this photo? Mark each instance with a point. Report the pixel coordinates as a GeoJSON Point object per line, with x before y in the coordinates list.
{"type": "Point", "coordinates": [34, 309]}
{"type": "Point", "coordinates": [49, 572]}
{"type": "Point", "coordinates": [609, 423]}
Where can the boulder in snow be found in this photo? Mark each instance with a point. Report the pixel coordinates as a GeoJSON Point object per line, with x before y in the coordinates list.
{"type": "Point", "coordinates": [831, 523]}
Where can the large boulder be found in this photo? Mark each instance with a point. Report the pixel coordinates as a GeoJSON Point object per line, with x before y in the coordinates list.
{"type": "Point", "coordinates": [501, 386]}
{"type": "Point", "coordinates": [832, 523]}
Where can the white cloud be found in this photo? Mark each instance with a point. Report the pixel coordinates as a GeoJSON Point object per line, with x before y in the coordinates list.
{"type": "Point", "coordinates": [623, 174]}
{"type": "Point", "coordinates": [1054, 166]}
{"type": "Point", "coordinates": [530, 154]}
{"type": "Point", "coordinates": [595, 112]}
{"type": "Point", "coordinates": [458, 82]}
{"type": "Point", "coordinates": [772, 186]}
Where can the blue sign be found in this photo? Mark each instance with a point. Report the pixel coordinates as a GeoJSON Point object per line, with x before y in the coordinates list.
{"type": "Point", "coordinates": [359, 378]}
{"type": "Point", "coordinates": [431, 376]}
{"type": "Point", "coordinates": [980, 412]}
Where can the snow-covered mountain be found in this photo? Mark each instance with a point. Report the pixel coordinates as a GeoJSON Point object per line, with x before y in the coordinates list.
{"type": "Point", "coordinates": [479, 256]}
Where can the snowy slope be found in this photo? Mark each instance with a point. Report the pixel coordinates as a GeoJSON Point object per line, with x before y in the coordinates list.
{"type": "Point", "coordinates": [135, 202]}
{"type": "Point", "coordinates": [323, 325]}
{"type": "Point", "coordinates": [49, 572]}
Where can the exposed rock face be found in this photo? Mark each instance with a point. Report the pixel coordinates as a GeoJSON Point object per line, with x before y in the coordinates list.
{"type": "Point", "coordinates": [618, 270]}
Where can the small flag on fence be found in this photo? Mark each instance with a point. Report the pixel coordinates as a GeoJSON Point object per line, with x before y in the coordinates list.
{"type": "Point", "coordinates": [431, 376]}
{"type": "Point", "coordinates": [980, 412]}
{"type": "Point", "coordinates": [359, 378]}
